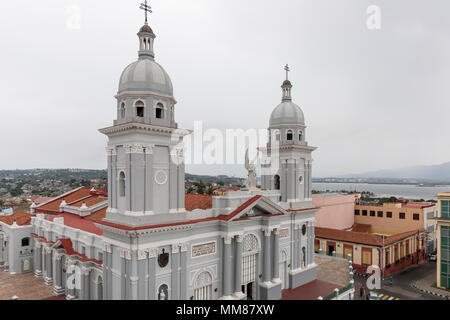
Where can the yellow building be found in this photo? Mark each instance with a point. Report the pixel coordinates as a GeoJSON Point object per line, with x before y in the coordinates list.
{"type": "Point", "coordinates": [394, 218]}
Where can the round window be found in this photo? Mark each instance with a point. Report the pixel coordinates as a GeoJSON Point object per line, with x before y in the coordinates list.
{"type": "Point", "coordinates": [300, 179]}
{"type": "Point", "coordinates": [161, 177]}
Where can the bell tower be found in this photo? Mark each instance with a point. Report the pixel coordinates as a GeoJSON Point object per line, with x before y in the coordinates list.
{"type": "Point", "coordinates": [287, 160]}
{"type": "Point", "coordinates": [145, 150]}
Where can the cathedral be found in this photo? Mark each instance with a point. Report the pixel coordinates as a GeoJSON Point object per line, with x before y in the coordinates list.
{"type": "Point", "coordinates": [138, 241]}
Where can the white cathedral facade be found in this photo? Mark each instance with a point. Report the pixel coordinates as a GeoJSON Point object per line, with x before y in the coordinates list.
{"type": "Point", "coordinates": [252, 244]}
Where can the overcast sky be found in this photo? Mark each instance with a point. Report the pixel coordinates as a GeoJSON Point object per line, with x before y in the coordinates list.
{"type": "Point", "coordinates": [373, 99]}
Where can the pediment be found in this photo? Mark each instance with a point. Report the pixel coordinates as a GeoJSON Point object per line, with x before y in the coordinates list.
{"type": "Point", "coordinates": [257, 207]}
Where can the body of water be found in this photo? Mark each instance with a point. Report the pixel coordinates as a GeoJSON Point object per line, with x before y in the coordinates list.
{"type": "Point", "coordinates": [386, 190]}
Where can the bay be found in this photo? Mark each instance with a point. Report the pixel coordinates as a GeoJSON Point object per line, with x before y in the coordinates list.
{"type": "Point", "coordinates": [385, 190]}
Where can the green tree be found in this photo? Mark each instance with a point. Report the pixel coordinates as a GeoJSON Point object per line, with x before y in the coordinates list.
{"type": "Point", "coordinates": [16, 192]}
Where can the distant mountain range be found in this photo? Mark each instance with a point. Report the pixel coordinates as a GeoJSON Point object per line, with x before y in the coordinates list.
{"type": "Point", "coordinates": [433, 173]}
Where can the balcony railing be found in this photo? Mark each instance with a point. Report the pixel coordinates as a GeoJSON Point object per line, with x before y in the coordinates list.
{"type": "Point", "coordinates": [335, 295]}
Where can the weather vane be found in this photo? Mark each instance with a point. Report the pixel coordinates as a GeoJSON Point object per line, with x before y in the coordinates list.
{"type": "Point", "coordinates": [287, 71]}
{"type": "Point", "coordinates": [144, 6]}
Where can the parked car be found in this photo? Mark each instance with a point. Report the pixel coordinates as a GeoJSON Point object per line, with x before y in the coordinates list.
{"type": "Point", "coordinates": [373, 296]}
{"type": "Point", "coordinates": [433, 257]}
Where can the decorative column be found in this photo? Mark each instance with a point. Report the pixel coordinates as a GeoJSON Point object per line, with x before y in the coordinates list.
{"type": "Point", "coordinates": [276, 255]}
{"type": "Point", "coordinates": [152, 254]}
{"type": "Point", "coordinates": [238, 267]}
{"type": "Point", "coordinates": [311, 242]}
{"type": "Point", "coordinates": [73, 273]}
{"type": "Point", "coordinates": [125, 258]}
{"type": "Point", "coordinates": [181, 180]}
{"type": "Point", "coordinates": [134, 275]}
{"type": "Point", "coordinates": [107, 250]}
{"type": "Point", "coordinates": [58, 286]}
{"type": "Point", "coordinates": [309, 179]}
{"type": "Point", "coordinates": [38, 259]}
{"type": "Point", "coordinates": [148, 185]}
{"type": "Point", "coordinates": [296, 250]}
{"type": "Point", "coordinates": [266, 255]}
{"type": "Point", "coordinates": [227, 267]}
{"type": "Point", "coordinates": [175, 272]}
{"type": "Point", "coordinates": [110, 151]}
{"type": "Point", "coordinates": [173, 178]}
{"type": "Point", "coordinates": [291, 180]}
{"type": "Point", "coordinates": [85, 284]}
{"type": "Point", "coordinates": [128, 169]}
{"type": "Point", "coordinates": [48, 264]}
{"type": "Point", "coordinates": [183, 271]}
{"type": "Point", "coordinates": [137, 179]}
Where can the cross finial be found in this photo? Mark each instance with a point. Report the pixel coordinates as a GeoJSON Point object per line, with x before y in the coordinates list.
{"type": "Point", "coordinates": [287, 71]}
{"type": "Point", "coordinates": [144, 6]}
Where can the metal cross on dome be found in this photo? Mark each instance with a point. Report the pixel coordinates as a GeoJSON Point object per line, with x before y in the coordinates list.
{"type": "Point", "coordinates": [144, 6]}
{"type": "Point", "coordinates": [287, 71]}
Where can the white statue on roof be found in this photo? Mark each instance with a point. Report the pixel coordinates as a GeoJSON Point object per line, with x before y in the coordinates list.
{"type": "Point", "coordinates": [251, 168]}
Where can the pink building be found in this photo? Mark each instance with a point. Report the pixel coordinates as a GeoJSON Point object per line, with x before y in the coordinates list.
{"type": "Point", "coordinates": [336, 211]}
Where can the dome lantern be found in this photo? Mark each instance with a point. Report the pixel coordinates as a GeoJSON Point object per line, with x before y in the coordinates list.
{"type": "Point", "coordinates": [287, 86]}
{"type": "Point", "coordinates": [287, 113]}
{"type": "Point", "coordinates": [146, 36]}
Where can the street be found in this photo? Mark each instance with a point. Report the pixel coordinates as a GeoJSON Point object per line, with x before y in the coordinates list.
{"type": "Point", "coordinates": [401, 286]}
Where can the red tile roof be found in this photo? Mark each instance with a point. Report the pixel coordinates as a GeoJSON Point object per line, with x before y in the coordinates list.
{"type": "Point", "coordinates": [310, 291]}
{"type": "Point", "coordinates": [364, 228]}
{"type": "Point", "coordinates": [226, 217]}
{"type": "Point", "coordinates": [361, 238]}
{"type": "Point", "coordinates": [22, 219]}
{"type": "Point", "coordinates": [77, 222]}
{"type": "Point", "coordinates": [40, 200]}
{"type": "Point", "coordinates": [418, 205]}
{"type": "Point", "coordinates": [67, 244]}
{"type": "Point", "coordinates": [74, 198]}
{"type": "Point", "coordinates": [197, 201]}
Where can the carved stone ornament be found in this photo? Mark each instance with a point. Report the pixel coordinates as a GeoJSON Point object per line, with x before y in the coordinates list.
{"type": "Point", "coordinates": [163, 259]}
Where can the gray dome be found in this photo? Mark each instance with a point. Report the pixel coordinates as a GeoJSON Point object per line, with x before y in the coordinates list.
{"type": "Point", "coordinates": [146, 75]}
{"type": "Point", "coordinates": [287, 113]}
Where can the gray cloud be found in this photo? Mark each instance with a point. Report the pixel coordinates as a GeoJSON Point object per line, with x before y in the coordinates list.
{"type": "Point", "coordinates": [372, 99]}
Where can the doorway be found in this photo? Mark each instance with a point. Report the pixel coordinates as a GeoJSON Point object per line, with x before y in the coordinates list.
{"type": "Point", "coordinates": [330, 250]}
{"type": "Point", "coordinates": [249, 290]}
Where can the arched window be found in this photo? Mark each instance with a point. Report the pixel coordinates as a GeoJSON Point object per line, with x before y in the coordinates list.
{"type": "Point", "coordinates": [203, 287]}
{"type": "Point", "coordinates": [290, 135]}
{"type": "Point", "coordinates": [99, 288]}
{"type": "Point", "coordinates": [163, 292]}
{"type": "Point", "coordinates": [139, 109]}
{"type": "Point", "coordinates": [304, 257]}
{"type": "Point", "coordinates": [300, 135]}
{"type": "Point", "coordinates": [159, 111]}
{"type": "Point", "coordinates": [25, 242]}
{"type": "Point", "coordinates": [122, 110]}
{"type": "Point", "coordinates": [122, 184]}
{"type": "Point", "coordinates": [277, 182]}
{"type": "Point", "coordinates": [250, 249]}
{"type": "Point", "coordinates": [276, 135]}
